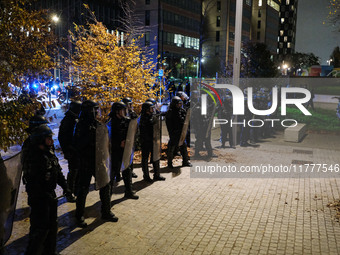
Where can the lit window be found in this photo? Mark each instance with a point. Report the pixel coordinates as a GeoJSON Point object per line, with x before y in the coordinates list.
{"type": "Point", "coordinates": [287, 2]}
{"type": "Point", "coordinates": [285, 39]}
{"type": "Point", "coordinates": [282, 20]}
{"type": "Point", "coordinates": [218, 21]}
{"type": "Point", "coordinates": [281, 32]}
{"type": "Point", "coordinates": [260, 2]}
{"type": "Point", "coordinates": [288, 45]}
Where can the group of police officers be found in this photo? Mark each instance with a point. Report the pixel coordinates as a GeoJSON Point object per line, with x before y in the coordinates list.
{"type": "Point", "coordinates": [78, 141]}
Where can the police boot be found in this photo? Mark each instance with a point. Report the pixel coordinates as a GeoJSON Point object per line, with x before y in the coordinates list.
{"type": "Point", "coordinates": [80, 208]}
{"type": "Point", "coordinates": [145, 168]}
{"type": "Point", "coordinates": [129, 194]}
{"type": "Point", "coordinates": [104, 194]}
{"type": "Point", "coordinates": [156, 175]}
{"type": "Point", "coordinates": [184, 152]}
{"type": "Point", "coordinates": [35, 246]}
{"type": "Point", "coordinates": [170, 155]}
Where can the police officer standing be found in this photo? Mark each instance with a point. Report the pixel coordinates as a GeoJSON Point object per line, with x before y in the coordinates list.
{"type": "Point", "coordinates": [65, 135]}
{"type": "Point", "coordinates": [42, 174]}
{"type": "Point", "coordinates": [147, 122]}
{"type": "Point", "coordinates": [119, 124]}
{"type": "Point", "coordinates": [175, 118]}
{"type": "Point", "coordinates": [85, 144]}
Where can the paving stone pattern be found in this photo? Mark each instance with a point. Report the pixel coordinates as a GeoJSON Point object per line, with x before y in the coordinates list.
{"type": "Point", "coordinates": [186, 215]}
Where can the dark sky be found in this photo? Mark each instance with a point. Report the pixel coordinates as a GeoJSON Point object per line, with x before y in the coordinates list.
{"type": "Point", "coordinates": [311, 34]}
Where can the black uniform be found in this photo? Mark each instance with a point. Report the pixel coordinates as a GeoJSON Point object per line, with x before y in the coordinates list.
{"type": "Point", "coordinates": [65, 136]}
{"type": "Point", "coordinates": [119, 128]}
{"type": "Point", "coordinates": [225, 112]}
{"type": "Point", "coordinates": [146, 126]}
{"type": "Point", "coordinates": [175, 118]}
{"type": "Point", "coordinates": [85, 144]}
{"type": "Point", "coordinates": [200, 124]}
{"type": "Point", "coordinates": [42, 174]}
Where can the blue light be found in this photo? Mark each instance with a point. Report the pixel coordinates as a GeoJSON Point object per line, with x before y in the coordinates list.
{"type": "Point", "coordinates": [55, 86]}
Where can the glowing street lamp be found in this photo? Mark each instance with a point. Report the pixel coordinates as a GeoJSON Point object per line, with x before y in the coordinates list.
{"type": "Point", "coordinates": [55, 18]}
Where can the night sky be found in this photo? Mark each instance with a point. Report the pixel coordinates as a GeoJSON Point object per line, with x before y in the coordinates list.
{"type": "Point", "coordinates": [311, 35]}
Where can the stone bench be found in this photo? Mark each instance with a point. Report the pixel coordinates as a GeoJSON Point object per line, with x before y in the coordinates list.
{"type": "Point", "coordinates": [295, 134]}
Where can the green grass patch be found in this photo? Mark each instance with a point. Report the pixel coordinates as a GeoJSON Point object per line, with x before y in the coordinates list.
{"type": "Point", "coordinates": [327, 90]}
{"type": "Point", "coordinates": [322, 120]}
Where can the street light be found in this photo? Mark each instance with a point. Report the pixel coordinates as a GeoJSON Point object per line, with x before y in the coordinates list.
{"type": "Point", "coordinates": [55, 18]}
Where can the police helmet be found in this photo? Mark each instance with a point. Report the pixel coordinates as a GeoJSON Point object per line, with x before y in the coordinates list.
{"type": "Point", "coordinates": [176, 100]}
{"type": "Point", "coordinates": [89, 105]}
{"type": "Point", "coordinates": [36, 121]}
{"type": "Point", "coordinates": [117, 106]}
{"type": "Point", "coordinates": [146, 106]}
{"type": "Point", "coordinates": [152, 100]}
{"type": "Point", "coordinates": [40, 133]}
{"type": "Point", "coordinates": [75, 107]}
{"type": "Point", "coordinates": [127, 100]}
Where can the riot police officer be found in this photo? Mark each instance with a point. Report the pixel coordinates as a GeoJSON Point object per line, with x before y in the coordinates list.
{"type": "Point", "coordinates": [42, 174]}
{"type": "Point", "coordinates": [175, 118]}
{"type": "Point", "coordinates": [65, 139]}
{"type": "Point", "coordinates": [85, 144]}
{"type": "Point", "coordinates": [146, 125]}
{"type": "Point", "coordinates": [132, 115]}
{"type": "Point", "coordinates": [225, 112]}
{"type": "Point", "coordinates": [119, 124]}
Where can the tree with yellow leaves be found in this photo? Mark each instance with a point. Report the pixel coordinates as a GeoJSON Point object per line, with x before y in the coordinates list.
{"type": "Point", "coordinates": [26, 43]}
{"type": "Point", "coordinates": [334, 13]}
{"type": "Point", "coordinates": [108, 67]}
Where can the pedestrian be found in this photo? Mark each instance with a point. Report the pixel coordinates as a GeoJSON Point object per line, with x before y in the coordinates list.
{"type": "Point", "coordinates": [85, 144]}
{"type": "Point", "coordinates": [42, 174]}
{"type": "Point", "coordinates": [148, 120]}
{"type": "Point", "coordinates": [119, 124]}
{"type": "Point", "coordinates": [65, 135]}
{"type": "Point", "coordinates": [175, 118]}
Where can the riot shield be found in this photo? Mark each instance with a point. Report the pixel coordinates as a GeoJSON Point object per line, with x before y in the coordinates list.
{"type": "Point", "coordinates": [185, 128]}
{"type": "Point", "coordinates": [103, 160]}
{"type": "Point", "coordinates": [210, 123]}
{"type": "Point", "coordinates": [156, 153]}
{"type": "Point", "coordinates": [10, 175]}
{"type": "Point", "coordinates": [129, 145]}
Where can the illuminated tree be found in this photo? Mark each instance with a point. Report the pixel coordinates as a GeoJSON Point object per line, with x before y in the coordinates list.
{"type": "Point", "coordinates": [108, 67]}
{"type": "Point", "coordinates": [25, 40]}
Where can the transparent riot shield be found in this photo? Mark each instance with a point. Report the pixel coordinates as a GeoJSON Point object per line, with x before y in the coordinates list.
{"type": "Point", "coordinates": [185, 128]}
{"type": "Point", "coordinates": [10, 175]}
{"type": "Point", "coordinates": [210, 123]}
{"type": "Point", "coordinates": [129, 145]}
{"type": "Point", "coordinates": [156, 153]}
{"type": "Point", "coordinates": [103, 157]}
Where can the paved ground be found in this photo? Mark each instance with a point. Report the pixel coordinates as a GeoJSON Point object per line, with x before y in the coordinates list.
{"type": "Point", "coordinates": [186, 215]}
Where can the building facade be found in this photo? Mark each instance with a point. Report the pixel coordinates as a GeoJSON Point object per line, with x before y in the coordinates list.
{"type": "Point", "coordinates": [171, 31]}
{"type": "Point", "coordinates": [265, 23]}
{"type": "Point", "coordinates": [287, 28]}
{"type": "Point", "coordinates": [219, 33]}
